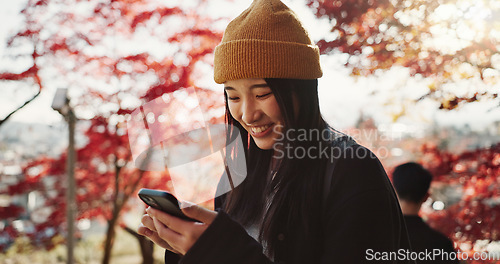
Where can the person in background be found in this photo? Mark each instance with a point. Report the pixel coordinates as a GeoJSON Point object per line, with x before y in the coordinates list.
{"type": "Point", "coordinates": [412, 182]}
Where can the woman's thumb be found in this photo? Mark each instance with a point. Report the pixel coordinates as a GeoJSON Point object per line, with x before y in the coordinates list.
{"type": "Point", "coordinates": [198, 213]}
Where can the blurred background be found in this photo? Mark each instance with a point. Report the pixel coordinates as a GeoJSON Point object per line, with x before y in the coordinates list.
{"type": "Point", "coordinates": [413, 80]}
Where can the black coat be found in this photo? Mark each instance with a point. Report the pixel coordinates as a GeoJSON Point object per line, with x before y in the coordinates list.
{"type": "Point", "coordinates": [362, 221]}
{"type": "Point", "coordinates": [425, 239]}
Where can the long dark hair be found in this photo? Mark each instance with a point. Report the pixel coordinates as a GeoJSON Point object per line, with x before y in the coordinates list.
{"type": "Point", "coordinates": [296, 187]}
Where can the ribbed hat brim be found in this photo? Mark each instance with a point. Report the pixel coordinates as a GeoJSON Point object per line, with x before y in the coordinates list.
{"type": "Point", "coordinates": [254, 58]}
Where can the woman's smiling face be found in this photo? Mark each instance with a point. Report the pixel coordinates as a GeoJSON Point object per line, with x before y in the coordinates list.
{"type": "Point", "coordinates": [252, 103]}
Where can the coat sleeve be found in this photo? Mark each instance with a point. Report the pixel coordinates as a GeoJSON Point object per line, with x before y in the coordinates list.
{"type": "Point", "coordinates": [225, 241]}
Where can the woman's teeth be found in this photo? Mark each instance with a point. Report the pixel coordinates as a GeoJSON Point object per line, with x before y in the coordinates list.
{"type": "Point", "coordinates": [259, 129]}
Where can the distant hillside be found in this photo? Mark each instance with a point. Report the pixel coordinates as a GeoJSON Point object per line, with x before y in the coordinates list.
{"type": "Point", "coordinates": [21, 141]}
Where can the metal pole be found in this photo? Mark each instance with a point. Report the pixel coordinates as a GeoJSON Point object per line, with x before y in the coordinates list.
{"type": "Point", "coordinates": [60, 103]}
{"type": "Point", "coordinates": [70, 191]}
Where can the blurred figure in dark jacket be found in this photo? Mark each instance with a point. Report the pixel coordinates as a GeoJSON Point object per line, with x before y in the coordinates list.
{"type": "Point", "coordinates": [412, 182]}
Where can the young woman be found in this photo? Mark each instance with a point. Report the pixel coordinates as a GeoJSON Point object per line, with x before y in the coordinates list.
{"type": "Point", "coordinates": [311, 195]}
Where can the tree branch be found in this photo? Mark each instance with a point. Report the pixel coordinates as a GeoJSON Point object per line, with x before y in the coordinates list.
{"type": "Point", "coordinates": [20, 107]}
{"type": "Point", "coordinates": [131, 231]}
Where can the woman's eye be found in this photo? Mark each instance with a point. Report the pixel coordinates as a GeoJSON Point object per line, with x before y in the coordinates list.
{"type": "Point", "coordinates": [264, 95]}
{"type": "Point", "coordinates": [233, 98]}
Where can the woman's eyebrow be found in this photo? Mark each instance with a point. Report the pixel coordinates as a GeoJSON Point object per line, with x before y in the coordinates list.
{"type": "Point", "coordinates": [260, 85]}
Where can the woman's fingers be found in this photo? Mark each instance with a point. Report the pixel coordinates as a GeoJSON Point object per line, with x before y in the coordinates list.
{"type": "Point", "coordinates": [168, 234]}
{"type": "Point", "coordinates": [174, 223]}
{"type": "Point", "coordinates": [153, 236]}
{"type": "Point", "coordinates": [147, 228]}
{"type": "Point", "coordinates": [144, 231]}
{"type": "Point", "coordinates": [198, 213]}
{"type": "Point", "coordinates": [178, 233]}
{"type": "Point", "coordinates": [147, 221]}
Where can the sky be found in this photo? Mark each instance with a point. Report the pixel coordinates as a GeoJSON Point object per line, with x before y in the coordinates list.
{"type": "Point", "coordinates": [342, 97]}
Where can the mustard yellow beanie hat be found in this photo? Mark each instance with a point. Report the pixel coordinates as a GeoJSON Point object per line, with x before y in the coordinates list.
{"type": "Point", "coordinates": [266, 41]}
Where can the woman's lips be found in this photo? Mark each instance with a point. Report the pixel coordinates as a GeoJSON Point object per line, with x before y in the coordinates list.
{"type": "Point", "coordinates": [261, 131]}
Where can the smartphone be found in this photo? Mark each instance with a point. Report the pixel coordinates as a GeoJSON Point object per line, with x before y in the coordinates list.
{"type": "Point", "coordinates": [163, 201]}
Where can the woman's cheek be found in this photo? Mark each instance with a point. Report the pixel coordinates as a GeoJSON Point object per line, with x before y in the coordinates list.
{"type": "Point", "coordinates": [233, 110]}
{"type": "Point", "coordinates": [273, 109]}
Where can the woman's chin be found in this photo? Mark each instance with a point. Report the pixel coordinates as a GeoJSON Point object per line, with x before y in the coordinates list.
{"type": "Point", "coordinates": [263, 144]}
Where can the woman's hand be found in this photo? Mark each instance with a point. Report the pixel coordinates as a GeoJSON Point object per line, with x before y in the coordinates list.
{"type": "Point", "coordinates": [173, 233]}
{"type": "Point", "coordinates": [147, 229]}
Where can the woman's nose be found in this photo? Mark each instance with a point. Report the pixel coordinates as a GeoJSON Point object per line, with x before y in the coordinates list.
{"type": "Point", "coordinates": [250, 113]}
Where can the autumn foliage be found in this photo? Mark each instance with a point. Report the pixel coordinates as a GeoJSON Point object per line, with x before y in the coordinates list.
{"type": "Point", "coordinates": [104, 184]}
{"type": "Point", "coordinates": [113, 56]}
{"type": "Point", "coordinates": [443, 41]}
{"type": "Point", "coordinates": [475, 175]}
